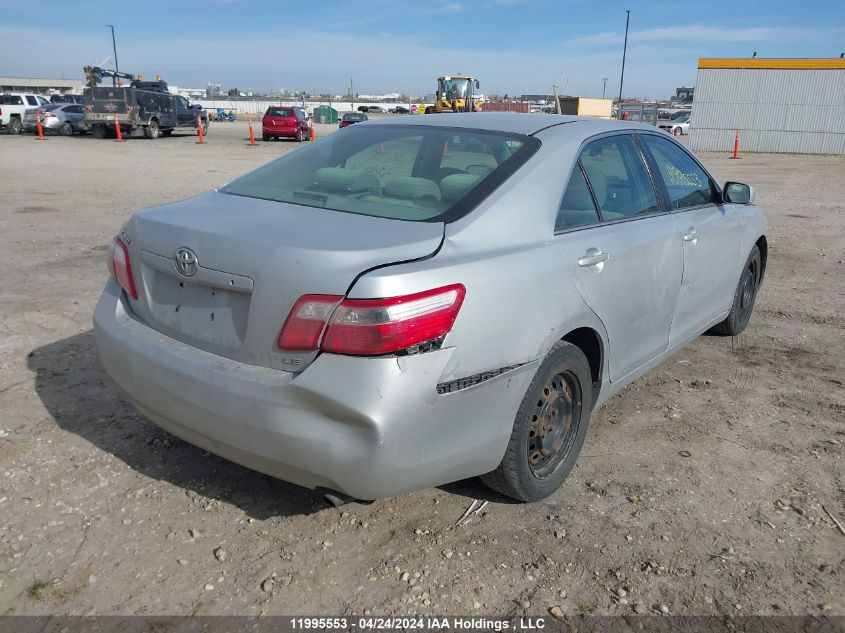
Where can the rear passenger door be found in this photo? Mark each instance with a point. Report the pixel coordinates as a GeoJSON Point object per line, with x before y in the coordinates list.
{"type": "Point", "coordinates": [710, 232]}
{"type": "Point", "coordinates": [622, 249]}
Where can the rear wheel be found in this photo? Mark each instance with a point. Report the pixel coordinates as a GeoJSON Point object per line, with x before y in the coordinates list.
{"type": "Point", "coordinates": [744, 297]}
{"type": "Point", "coordinates": [549, 428]}
{"type": "Point", "coordinates": [151, 131]}
{"type": "Point", "coordinates": [300, 136]}
{"type": "Point", "coordinates": [66, 129]}
{"type": "Point", "coordinates": [14, 126]}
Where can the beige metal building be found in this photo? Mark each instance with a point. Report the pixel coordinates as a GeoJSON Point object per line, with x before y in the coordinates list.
{"type": "Point", "coordinates": [40, 85]}
{"type": "Point", "coordinates": [778, 105]}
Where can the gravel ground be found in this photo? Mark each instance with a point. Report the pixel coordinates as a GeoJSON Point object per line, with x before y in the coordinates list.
{"type": "Point", "coordinates": [699, 490]}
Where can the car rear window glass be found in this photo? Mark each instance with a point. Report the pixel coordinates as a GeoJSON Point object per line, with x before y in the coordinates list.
{"type": "Point", "coordinates": [354, 117]}
{"type": "Point", "coordinates": [577, 207]}
{"type": "Point", "coordinates": [687, 183]}
{"type": "Point", "coordinates": [280, 112]}
{"type": "Point", "coordinates": [618, 177]}
{"type": "Point", "coordinates": [406, 172]}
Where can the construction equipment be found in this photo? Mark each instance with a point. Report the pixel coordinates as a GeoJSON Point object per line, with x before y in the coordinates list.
{"type": "Point", "coordinates": [456, 94]}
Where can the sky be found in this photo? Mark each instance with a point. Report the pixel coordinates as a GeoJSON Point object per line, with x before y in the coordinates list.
{"type": "Point", "coordinates": [512, 46]}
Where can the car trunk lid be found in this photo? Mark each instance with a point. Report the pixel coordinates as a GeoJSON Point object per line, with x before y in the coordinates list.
{"type": "Point", "coordinates": [243, 263]}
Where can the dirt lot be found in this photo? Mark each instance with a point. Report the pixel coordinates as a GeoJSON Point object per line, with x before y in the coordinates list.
{"type": "Point", "coordinates": [700, 487]}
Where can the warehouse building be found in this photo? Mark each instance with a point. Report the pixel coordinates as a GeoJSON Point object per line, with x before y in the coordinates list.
{"type": "Point", "coordinates": [778, 105]}
{"type": "Point", "coordinates": [40, 85]}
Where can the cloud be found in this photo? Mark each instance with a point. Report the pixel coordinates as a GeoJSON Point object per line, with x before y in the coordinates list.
{"type": "Point", "coordinates": [702, 34]}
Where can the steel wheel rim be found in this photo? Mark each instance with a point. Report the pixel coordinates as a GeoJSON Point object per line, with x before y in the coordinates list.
{"type": "Point", "coordinates": [749, 288]}
{"type": "Point", "coordinates": [554, 424]}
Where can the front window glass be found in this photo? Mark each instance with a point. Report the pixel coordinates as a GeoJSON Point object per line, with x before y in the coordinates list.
{"type": "Point", "coordinates": [417, 173]}
{"type": "Point", "coordinates": [619, 178]}
{"type": "Point", "coordinates": [687, 183]}
{"type": "Point", "coordinates": [454, 88]}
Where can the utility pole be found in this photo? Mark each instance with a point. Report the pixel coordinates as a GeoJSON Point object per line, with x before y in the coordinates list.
{"type": "Point", "coordinates": [351, 95]}
{"type": "Point", "coordinates": [603, 86]}
{"type": "Point", "coordinates": [624, 51]}
{"type": "Point", "coordinates": [114, 49]}
{"type": "Point", "coordinates": [557, 101]}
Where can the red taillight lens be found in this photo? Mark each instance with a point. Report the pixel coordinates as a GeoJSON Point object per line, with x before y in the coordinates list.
{"type": "Point", "coordinates": [306, 322]}
{"type": "Point", "coordinates": [121, 268]}
{"type": "Point", "coordinates": [369, 327]}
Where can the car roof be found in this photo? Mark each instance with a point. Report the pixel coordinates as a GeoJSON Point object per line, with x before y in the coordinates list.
{"type": "Point", "coordinates": [516, 122]}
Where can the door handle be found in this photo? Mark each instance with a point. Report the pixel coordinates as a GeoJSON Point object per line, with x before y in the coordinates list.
{"type": "Point", "coordinates": [690, 235]}
{"type": "Point", "coordinates": [592, 257]}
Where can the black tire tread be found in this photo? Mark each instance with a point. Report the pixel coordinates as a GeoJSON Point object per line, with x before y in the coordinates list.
{"type": "Point", "coordinates": [732, 326]}
{"type": "Point", "coordinates": [505, 479]}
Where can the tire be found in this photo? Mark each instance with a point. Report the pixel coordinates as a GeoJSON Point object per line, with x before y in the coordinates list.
{"type": "Point", "coordinates": [66, 129]}
{"type": "Point", "coordinates": [151, 130]}
{"type": "Point", "coordinates": [744, 296]}
{"type": "Point", "coordinates": [98, 131]}
{"type": "Point", "coordinates": [430, 110]}
{"type": "Point", "coordinates": [299, 136]}
{"type": "Point", "coordinates": [676, 131]}
{"type": "Point", "coordinates": [265, 137]}
{"type": "Point", "coordinates": [529, 470]}
{"type": "Point", "coordinates": [14, 126]}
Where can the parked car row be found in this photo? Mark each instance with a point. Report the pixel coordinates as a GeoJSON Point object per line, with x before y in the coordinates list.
{"type": "Point", "coordinates": [377, 109]}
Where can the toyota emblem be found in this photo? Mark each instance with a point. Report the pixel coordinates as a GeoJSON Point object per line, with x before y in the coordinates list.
{"type": "Point", "coordinates": [186, 262]}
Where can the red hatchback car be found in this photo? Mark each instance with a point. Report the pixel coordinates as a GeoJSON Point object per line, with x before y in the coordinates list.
{"type": "Point", "coordinates": [285, 121]}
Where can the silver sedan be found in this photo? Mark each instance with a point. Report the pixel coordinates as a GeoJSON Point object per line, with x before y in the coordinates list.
{"type": "Point", "coordinates": [409, 303]}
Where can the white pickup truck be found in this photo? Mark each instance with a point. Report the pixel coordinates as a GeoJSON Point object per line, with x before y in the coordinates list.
{"type": "Point", "coordinates": [13, 105]}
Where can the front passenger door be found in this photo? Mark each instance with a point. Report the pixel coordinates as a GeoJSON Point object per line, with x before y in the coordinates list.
{"type": "Point", "coordinates": [711, 238]}
{"type": "Point", "coordinates": [622, 250]}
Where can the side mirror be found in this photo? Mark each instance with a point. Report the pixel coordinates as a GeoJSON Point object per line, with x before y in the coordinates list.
{"type": "Point", "coordinates": [738, 193]}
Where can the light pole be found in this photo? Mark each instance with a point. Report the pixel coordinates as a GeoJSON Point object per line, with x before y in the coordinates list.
{"type": "Point", "coordinates": [624, 51]}
{"type": "Point", "coordinates": [603, 86]}
{"type": "Point", "coordinates": [114, 49]}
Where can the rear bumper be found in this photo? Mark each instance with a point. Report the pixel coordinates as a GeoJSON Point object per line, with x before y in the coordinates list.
{"type": "Point", "coordinates": [368, 427]}
{"type": "Point", "coordinates": [280, 131]}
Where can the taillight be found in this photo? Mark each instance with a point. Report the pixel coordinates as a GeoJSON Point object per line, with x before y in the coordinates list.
{"type": "Point", "coordinates": [121, 268]}
{"type": "Point", "coordinates": [369, 327]}
{"type": "Point", "coordinates": [306, 322]}
{"type": "Point", "coordinates": [48, 114]}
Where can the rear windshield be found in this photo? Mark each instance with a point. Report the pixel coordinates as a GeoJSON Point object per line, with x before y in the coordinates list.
{"type": "Point", "coordinates": [405, 172]}
{"type": "Point", "coordinates": [279, 112]}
